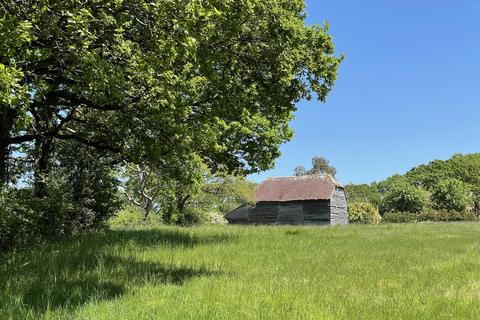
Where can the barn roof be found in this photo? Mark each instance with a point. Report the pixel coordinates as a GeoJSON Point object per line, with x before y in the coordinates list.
{"type": "Point", "coordinates": [311, 187]}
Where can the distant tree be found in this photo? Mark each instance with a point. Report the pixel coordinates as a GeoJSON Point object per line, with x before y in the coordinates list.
{"type": "Point", "coordinates": [363, 193]}
{"type": "Point", "coordinates": [452, 194]}
{"type": "Point", "coordinates": [300, 171]}
{"type": "Point", "coordinates": [223, 193]}
{"type": "Point", "coordinates": [403, 197]}
{"type": "Point", "coordinates": [142, 187]}
{"type": "Point", "coordinates": [464, 168]}
{"type": "Point", "coordinates": [320, 165]}
{"type": "Point", "coordinates": [167, 189]}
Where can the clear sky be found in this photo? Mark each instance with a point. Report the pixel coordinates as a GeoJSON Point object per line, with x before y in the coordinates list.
{"type": "Point", "coordinates": [407, 93]}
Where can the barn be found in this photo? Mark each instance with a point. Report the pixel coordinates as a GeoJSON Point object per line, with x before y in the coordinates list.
{"type": "Point", "coordinates": [312, 199]}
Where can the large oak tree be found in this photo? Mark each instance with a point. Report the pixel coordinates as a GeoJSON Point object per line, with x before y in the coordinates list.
{"type": "Point", "coordinates": [157, 79]}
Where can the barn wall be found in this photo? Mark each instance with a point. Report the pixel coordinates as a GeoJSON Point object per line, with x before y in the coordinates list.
{"type": "Point", "coordinates": [239, 215]}
{"type": "Point", "coordinates": [291, 212]}
{"type": "Point", "coordinates": [338, 207]}
{"type": "Point", "coordinates": [264, 213]}
{"type": "Point", "coordinates": [316, 212]}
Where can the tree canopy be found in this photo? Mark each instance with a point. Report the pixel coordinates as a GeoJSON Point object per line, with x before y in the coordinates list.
{"type": "Point", "coordinates": [91, 88]}
{"type": "Point", "coordinates": [158, 80]}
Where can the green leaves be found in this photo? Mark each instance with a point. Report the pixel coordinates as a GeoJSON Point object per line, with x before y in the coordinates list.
{"type": "Point", "coordinates": [157, 80]}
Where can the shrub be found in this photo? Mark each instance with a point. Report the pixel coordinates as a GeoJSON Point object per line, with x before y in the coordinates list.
{"type": "Point", "coordinates": [132, 216]}
{"type": "Point", "coordinates": [216, 218]}
{"type": "Point", "coordinates": [404, 197]}
{"type": "Point", "coordinates": [428, 215]}
{"type": "Point", "coordinates": [362, 212]}
{"type": "Point", "coordinates": [191, 216]}
{"type": "Point", "coordinates": [18, 222]}
{"type": "Point", "coordinates": [25, 218]}
{"type": "Point", "coordinates": [451, 194]}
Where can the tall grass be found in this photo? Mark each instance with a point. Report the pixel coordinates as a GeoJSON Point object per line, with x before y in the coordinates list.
{"type": "Point", "coordinates": [422, 271]}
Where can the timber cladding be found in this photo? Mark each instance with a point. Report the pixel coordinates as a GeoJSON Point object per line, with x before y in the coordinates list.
{"type": "Point", "coordinates": [318, 200]}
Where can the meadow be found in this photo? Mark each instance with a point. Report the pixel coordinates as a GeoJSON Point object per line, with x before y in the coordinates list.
{"type": "Point", "coordinates": [401, 271]}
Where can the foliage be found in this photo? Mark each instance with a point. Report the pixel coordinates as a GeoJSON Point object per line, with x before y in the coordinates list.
{"type": "Point", "coordinates": [223, 193]}
{"type": "Point", "coordinates": [397, 271]}
{"type": "Point", "coordinates": [18, 222]}
{"type": "Point", "coordinates": [404, 197]}
{"type": "Point", "coordinates": [452, 194]}
{"type": "Point", "coordinates": [188, 194]}
{"type": "Point", "coordinates": [90, 178]}
{"type": "Point", "coordinates": [363, 193]}
{"type": "Point", "coordinates": [428, 215]}
{"type": "Point", "coordinates": [454, 185]}
{"type": "Point", "coordinates": [464, 168]}
{"type": "Point", "coordinates": [154, 80]}
{"type": "Point", "coordinates": [170, 84]}
{"type": "Point", "coordinates": [25, 219]}
{"type": "Point", "coordinates": [320, 166]}
{"type": "Point", "coordinates": [81, 195]}
{"type": "Point", "coordinates": [132, 216]}
{"type": "Point", "coordinates": [363, 212]}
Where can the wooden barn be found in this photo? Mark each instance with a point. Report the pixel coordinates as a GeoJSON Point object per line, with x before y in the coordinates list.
{"type": "Point", "coordinates": [310, 199]}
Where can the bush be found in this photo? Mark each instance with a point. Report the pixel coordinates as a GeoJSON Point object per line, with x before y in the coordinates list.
{"type": "Point", "coordinates": [18, 222]}
{"type": "Point", "coordinates": [362, 212]}
{"type": "Point", "coordinates": [132, 216]}
{"type": "Point", "coordinates": [216, 218]}
{"type": "Point", "coordinates": [404, 197]}
{"type": "Point", "coordinates": [429, 215]}
{"type": "Point", "coordinates": [25, 218]}
{"type": "Point", "coordinates": [191, 216]}
{"type": "Point", "coordinates": [451, 194]}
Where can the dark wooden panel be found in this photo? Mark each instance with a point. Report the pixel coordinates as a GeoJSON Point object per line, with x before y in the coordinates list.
{"type": "Point", "coordinates": [316, 212]}
{"type": "Point", "coordinates": [290, 213]}
{"type": "Point", "coordinates": [239, 215]}
{"type": "Point", "coordinates": [264, 213]}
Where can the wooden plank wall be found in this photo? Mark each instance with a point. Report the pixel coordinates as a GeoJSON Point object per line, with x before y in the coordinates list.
{"type": "Point", "coordinates": [264, 213]}
{"type": "Point", "coordinates": [239, 215]}
{"type": "Point", "coordinates": [292, 212]}
{"type": "Point", "coordinates": [316, 212]}
{"type": "Point", "coordinates": [338, 207]}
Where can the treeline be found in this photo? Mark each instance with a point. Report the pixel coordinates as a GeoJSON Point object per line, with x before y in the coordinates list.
{"type": "Point", "coordinates": [442, 190]}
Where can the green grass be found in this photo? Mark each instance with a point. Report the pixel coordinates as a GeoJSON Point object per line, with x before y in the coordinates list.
{"type": "Point", "coordinates": [412, 271]}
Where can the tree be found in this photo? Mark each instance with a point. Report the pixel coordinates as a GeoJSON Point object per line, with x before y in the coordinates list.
{"type": "Point", "coordinates": [452, 194]}
{"type": "Point", "coordinates": [403, 197]}
{"type": "Point", "coordinates": [223, 192]}
{"type": "Point", "coordinates": [151, 80]}
{"type": "Point", "coordinates": [464, 168]}
{"type": "Point", "coordinates": [320, 165]}
{"type": "Point", "coordinates": [167, 189]}
{"type": "Point", "coordinates": [363, 193]}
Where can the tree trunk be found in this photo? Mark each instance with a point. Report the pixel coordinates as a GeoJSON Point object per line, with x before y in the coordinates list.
{"type": "Point", "coordinates": [7, 120]}
{"type": "Point", "coordinates": [181, 204]}
{"type": "Point", "coordinates": [44, 148]}
{"type": "Point", "coordinates": [148, 208]}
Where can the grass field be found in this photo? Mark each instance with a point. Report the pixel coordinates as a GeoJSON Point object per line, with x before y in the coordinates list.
{"type": "Point", "coordinates": [422, 271]}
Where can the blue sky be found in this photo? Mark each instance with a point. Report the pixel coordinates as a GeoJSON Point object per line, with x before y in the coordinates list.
{"type": "Point", "coordinates": [407, 93]}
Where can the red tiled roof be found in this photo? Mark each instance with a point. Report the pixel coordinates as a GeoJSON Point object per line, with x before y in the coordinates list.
{"type": "Point", "coordinates": [313, 187]}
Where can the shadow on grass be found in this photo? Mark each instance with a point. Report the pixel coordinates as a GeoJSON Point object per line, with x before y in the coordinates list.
{"type": "Point", "coordinates": [71, 273]}
{"type": "Point", "coordinates": [165, 237]}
